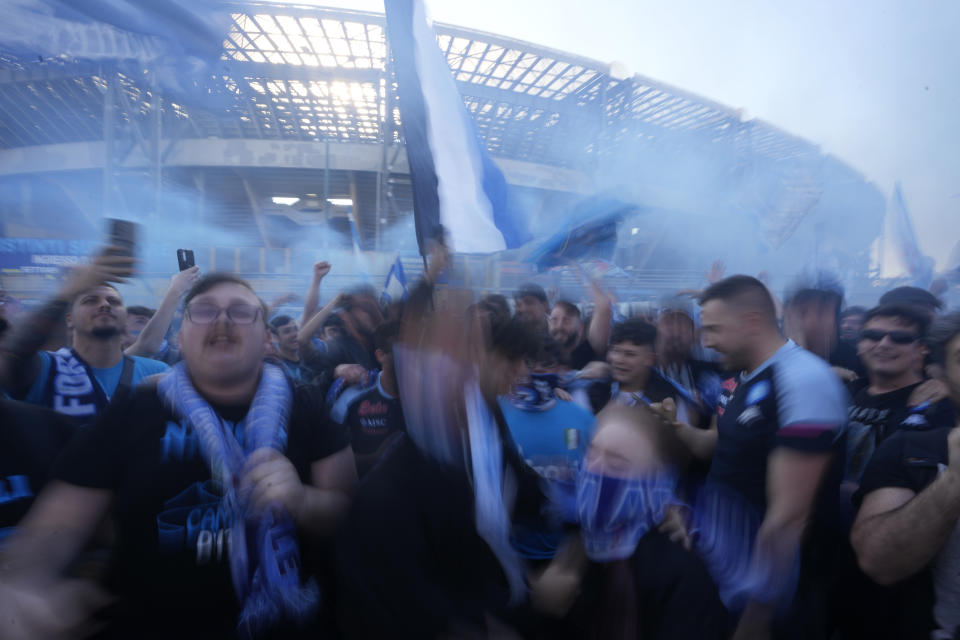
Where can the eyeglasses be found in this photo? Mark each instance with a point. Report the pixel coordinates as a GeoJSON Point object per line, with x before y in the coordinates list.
{"type": "Point", "coordinates": [207, 313]}
{"type": "Point", "coordinates": [896, 337]}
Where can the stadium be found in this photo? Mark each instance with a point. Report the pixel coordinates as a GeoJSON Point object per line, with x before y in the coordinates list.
{"type": "Point", "coordinates": [294, 151]}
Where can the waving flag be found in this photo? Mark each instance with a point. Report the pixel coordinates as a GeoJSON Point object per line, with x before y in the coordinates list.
{"type": "Point", "coordinates": [395, 287]}
{"type": "Point", "coordinates": [919, 266]}
{"type": "Point", "coordinates": [590, 233]}
{"type": "Point", "coordinates": [459, 194]}
{"type": "Point", "coordinates": [180, 41]}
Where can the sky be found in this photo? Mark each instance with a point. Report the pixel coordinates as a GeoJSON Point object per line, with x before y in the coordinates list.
{"type": "Point", "coordinates": [874, 82]}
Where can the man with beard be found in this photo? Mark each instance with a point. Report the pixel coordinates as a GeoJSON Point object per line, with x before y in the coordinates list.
{"type": "Point", "coordinates": [80, 381]}
{"type": "Point", "coordinates": [780, 425]}
{"type": "Point", "coordinates": [582, 345]}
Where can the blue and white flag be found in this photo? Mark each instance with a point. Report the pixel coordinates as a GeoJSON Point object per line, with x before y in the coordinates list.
{"type": "Point", "coordinates": [588, 233]}
{"type": "Point", "coordinates": [395, 287]}
{"type": "Point", "coordinates": [459, 194]}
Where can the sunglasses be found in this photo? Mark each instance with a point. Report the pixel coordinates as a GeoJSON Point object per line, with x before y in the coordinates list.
{"type": "Point", "coordinates": [896, 337]}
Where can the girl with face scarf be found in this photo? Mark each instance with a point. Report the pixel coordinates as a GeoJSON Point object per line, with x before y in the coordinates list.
{"type": "Point", "coordinates": [636, 583]}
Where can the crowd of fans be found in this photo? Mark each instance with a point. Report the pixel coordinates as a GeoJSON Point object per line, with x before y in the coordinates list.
{"type": "Point", "coordinates": [733, 467]}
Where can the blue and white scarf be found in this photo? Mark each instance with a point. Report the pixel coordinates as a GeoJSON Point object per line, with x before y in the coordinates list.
{"type": "Point", "coordinates": [537, 393]}
{"type": "Point", "coordinates": [616, 512]}
{"type": "Point", "coordinates": [72, 389]}
{"type": "Point", "coordinates": [264, 555]}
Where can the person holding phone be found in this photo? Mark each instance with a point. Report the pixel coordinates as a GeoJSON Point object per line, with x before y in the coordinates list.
{"type": "Point", "coordinates": [79, 381]}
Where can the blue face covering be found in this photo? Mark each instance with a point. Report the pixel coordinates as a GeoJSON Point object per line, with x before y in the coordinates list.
{"type": "Point", "coordinates": [537, 394]}
{"type": "Point", "coordinates": [616, 512]}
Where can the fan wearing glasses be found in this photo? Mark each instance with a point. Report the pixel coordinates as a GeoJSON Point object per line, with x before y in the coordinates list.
{"type": "Point", "coordinates": [221, 474]}
{"type": "Point", "coordinates": [891, 346]}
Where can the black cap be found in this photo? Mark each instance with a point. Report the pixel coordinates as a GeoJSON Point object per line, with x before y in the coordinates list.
{"type": "Point", "coordinates": [531, 289]}
{"type": "Point", "coordinates": [914, 296]}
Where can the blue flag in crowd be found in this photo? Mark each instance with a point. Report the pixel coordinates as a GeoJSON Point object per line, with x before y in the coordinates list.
{"type": "Point", "coordinates": [589, 233]}
{"type": "Point", "coordinates": [459, 194]}
{"type": "Point", "coordinates": [179, 41]}
{"type": "Point", "coordinates": [395, 287]}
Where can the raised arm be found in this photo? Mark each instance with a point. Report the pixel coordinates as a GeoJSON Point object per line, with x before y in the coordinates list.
{"type": "Point", "coordinates": [599, 333]}
{"type": "Point", "coordinates": [898, 532]}
{"type": "Point", "coordinates": [150, 340]}
{"type": "Point", "coordinates": [19, 362]}
{"type": "Point", "coordinates": [35, 601]}
{"type": "Point", "coordinates": [311, 326]}
{"type": "Point", "coordinates": [320, 269]}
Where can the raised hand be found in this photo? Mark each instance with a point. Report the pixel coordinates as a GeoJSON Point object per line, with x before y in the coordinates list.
{"type": "Point", "coordinates": [181, 282]}
{"type": "Point", "coordinates": [320, 270]}
{"type": "Point", "coordinates": [102, 269]}
{"type": "Point", "coordinates": [717, 269]}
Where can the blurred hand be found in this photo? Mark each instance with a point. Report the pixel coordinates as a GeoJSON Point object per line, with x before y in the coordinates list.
{"type": "Point", "coordinates": [953, 450]}
{"type": "Point", "coordinates": [554, 590]}
{"type": "Point", "coordinates": [596, 370]}
{"type": "Point", "coordinates": [930, 391]}
{"type": "Point", "coordinates": [674, 526]}
{"type": "Point", "coordinates": [563, 395]}
{"type": "Point", "coordinates": [181, 282]}
{"type": "Point", "coordinates": [61, 610]}
{"type": "Point", "coordinates": [320, 269]}
{"type": "Point", "coordinates": [666, 409]}
{"type": "Point", "coordinates": [845, 374]}
{"type": "Point", "coordinates": [717, 269]}
{"type": "Point", "coordinates": [438, 258]}
{"type": "Point", "coordinates": [273, 480]}
{"type": "Point", "coordinates": [352, 373]}
{"type": "Point", "coordinates": [102, 269]}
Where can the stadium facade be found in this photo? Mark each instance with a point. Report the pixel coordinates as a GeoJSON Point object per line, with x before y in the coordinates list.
{"type": "Point", "coordinates": [291, 149]}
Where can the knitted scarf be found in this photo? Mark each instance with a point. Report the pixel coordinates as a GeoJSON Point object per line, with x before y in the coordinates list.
{"type": "Point", "coordinates": [264, 555]}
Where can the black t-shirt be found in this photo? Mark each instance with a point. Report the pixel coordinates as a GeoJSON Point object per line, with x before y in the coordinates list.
{"type": "Point", "coordinates": [410, 563]}
{"type": "Point", "coordinates": [582, 355]}
{"type": "Point", "coordinates": [172, 568]}
{"type": "Point", "coordinates": [875, 417]}
{"type": "Point", "coordinates": [372, 416]}
{"type": "Point", "coordinates": [31, 437]}
{"type": "Point", "coordinates": [909, 460]}
{"type": "Point", "coordinates": [669, 589]}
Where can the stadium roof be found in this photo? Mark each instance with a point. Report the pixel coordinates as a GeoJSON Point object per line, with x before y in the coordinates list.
{"type": "Point", "coordinates": [293, 82]}
{"type": "Point", "coordinates": [307, 73]}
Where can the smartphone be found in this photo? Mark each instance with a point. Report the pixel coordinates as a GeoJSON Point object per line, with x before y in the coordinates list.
{"type": "Point", "coordinates": [185, 259]}
{"type": "Point", "coordinates": [123, 235]}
